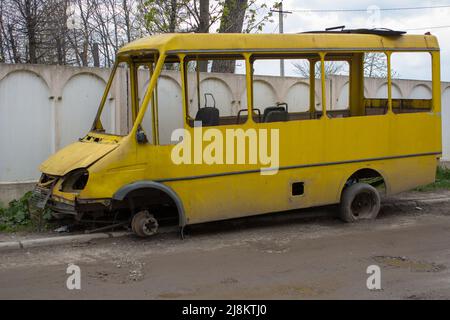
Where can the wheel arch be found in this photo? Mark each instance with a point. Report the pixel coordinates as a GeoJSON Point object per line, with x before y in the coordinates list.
{"type": "Point", "coordinates": [121, 194]}
{"type": "Point", "coordinates": [363, 172]}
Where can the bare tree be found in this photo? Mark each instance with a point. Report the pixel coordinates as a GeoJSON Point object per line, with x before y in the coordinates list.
{"type": "Point", "coordinates": [51, 45]}
{"type": "Point", "coordinates": [331, 68]}
{"type": "Point", "coordinates": [31, 16]}
{"type": "Point", "coordinates": [127, 19]}
{"type": "Point", "coordinates": [60, 31]}
{"type": "Point", "coordinates": [2, 46]}
{"type": "Point", "coordinates": [25, 27]}
{"type": "Point", "coordinates": [14, 47]}
{"type": "Point", "coordinates": [42, 31]}
{"type": "Point", "coordinates": [375, 66]}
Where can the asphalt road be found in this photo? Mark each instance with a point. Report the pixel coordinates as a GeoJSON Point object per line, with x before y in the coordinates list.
{"type": "Point", "coordinates": [306, 254]}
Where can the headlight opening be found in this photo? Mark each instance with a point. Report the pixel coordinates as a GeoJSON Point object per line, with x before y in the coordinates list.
{"type": "Point", "coordinates": [75, 180]}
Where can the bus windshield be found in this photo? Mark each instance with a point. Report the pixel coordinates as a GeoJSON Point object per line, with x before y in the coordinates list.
{"type": "Point", "coordinates": [124, 91]}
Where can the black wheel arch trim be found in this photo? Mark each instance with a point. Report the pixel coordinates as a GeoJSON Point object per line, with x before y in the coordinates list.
{"type": "Point", "coordinates": [148, 184]}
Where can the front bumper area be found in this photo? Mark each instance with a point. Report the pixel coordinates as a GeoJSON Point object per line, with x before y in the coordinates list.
{"type": "Point", "coordinates": [39, 197]}
{"type": "Point", "coordinates": [47, 194]}
{"type": "Point", "coordinates": [62, 208]}
{"type": "Point", "coordinates": [42, 198]}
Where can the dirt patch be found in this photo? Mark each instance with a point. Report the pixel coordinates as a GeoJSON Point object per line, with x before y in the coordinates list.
{"type": "Point", "coordinates": [405, 263]}
{"type": "Point", "coordinates": [134, 267]}
{"type": "Point", "coordinates": [229, 281]}
{"type": "Point", "coordinates": [299, 291]}
{"type": "Point", "coordinates": [183, 293]}
{"type": "Point", "coordinates": [272, 247]}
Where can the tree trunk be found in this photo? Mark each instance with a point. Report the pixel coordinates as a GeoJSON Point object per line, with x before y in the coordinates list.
{"type": "Point", "coordinates": [60, 33]}
{"type": "Point", "coordinates": [204, 17]}
{"type": "Point", "coordinates": [16, 56]}
{"type": "Point", "coordinates": [2, 48]}
{"type": "Point", "coordinates": [96, 55]}
{"type": "Point", "coordinates": [31, 31]}
{"type": "Point", "coordinates": [85, 53]}
{"type": "Point", "coordinates": [203, 27]}
{"type": "Point", "coordinates": [173, 16]}
{"type": "Point", "coordinates": [232, 21]}
{"type": "Point", "coordinates": [127, 20]}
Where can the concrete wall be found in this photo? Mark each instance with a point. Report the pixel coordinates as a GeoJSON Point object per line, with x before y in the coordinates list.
{"type": "Point", "coordinates": [44, 108]}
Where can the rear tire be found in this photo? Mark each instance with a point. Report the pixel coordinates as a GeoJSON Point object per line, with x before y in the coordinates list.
{"type": "Point", "coordinates": [144, 224]}
{"type": "Point", "coordinates": [359, 201]}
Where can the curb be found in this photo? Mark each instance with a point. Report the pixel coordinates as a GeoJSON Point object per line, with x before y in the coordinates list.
{"type": "Point", "coordinates": [416, 202]}
{"type": "Point", "coordinates": [80, 238]}
{"type": "Point", "coordinates": [433, 201]}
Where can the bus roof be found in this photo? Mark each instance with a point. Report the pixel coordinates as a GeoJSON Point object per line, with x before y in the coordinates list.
{"type": "Point", "coordinates": [241, 42]}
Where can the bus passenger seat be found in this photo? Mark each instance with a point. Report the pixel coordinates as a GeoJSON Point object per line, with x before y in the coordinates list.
{"type": "Point", "coordinates": [276, 115]}
{"type": "Point", "coordinates": [270, 109]}
{"type": "Point", "coordinates": [209, 116]}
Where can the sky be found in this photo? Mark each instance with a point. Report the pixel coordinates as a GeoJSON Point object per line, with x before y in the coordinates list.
{"type": "Point", "coordinates": [409, 66]}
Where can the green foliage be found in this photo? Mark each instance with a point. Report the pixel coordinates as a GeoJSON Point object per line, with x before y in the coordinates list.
{"type": "Point", "coordinates": [257, 16]}
{"type": "Point", "coordinates": [162, 16]}
{"type": "Point", "coordinates": [19, 216]}
{"type": "Point", "coordinates": [442, 181]}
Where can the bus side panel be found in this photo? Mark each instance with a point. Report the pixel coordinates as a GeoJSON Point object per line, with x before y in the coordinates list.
{"type": "Point", "coordinates": [393, 145]}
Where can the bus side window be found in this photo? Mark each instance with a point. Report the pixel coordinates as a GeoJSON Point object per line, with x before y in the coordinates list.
{"type": "Point", "coordinates": [337, 84]}
{"type": "Point", "coordinates": [376, 83]}
{"type": "Point", "coordinates": [209, 83]}
{"type": "Point", "coordinates": [166, 102]}
{"type": "Point", "coordinates": [144, 73]}
{"type": "Point", "coordinates": [286, 97]}
{"type": "Point", "coordinates": [416, 67]}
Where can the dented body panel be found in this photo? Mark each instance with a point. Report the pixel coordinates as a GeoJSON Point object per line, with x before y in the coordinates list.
{"type": "Point", "coordinates": [74, 156]}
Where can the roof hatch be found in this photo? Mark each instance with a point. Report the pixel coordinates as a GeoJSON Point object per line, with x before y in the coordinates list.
{"type": "Point", "coordinates": [375, 31]}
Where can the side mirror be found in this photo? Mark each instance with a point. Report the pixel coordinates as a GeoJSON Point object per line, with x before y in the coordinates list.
{"type": "Point", "coordinates": [141, 137]}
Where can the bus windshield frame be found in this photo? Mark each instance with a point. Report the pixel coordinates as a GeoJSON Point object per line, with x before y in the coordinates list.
{"type": "Point", "coordinates": [132, 60]}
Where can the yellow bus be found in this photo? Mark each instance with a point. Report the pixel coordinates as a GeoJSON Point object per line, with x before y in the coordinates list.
{"type": "Point", "coordinates": [350, 156]}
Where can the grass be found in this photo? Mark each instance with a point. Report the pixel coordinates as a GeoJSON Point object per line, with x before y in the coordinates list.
{"type": "Point", "coordinates": [19, 216]}
{"type": "Point", "coordinates": [442, 181]}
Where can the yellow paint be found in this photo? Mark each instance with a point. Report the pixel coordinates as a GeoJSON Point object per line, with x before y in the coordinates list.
{"type": "Point", "coordinates": [182, 42]}
{"type": "Point", "coordinates": [329, 150]}
{"type": "Point", "coordinates": [76, 155]}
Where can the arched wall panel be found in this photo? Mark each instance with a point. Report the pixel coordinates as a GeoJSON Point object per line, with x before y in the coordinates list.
{"type": "Point", "coordinates": [80, 100]}
{"type": "Point", "coordinates": [25, 126]}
